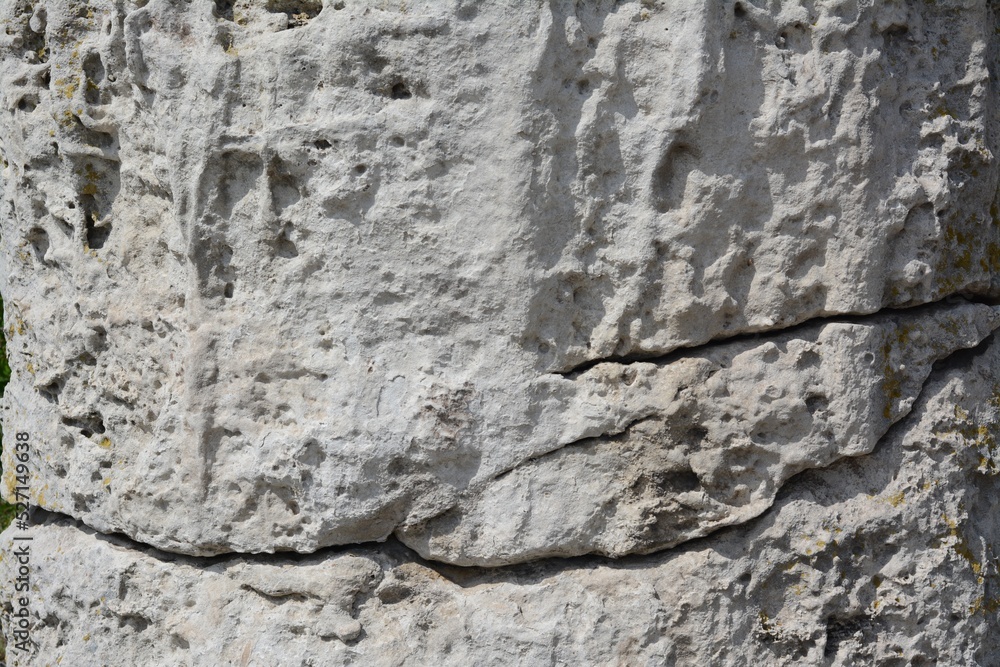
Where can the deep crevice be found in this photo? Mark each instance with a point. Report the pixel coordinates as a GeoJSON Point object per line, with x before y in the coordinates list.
{"type": "Point", "coordinates": [663, 358]}
{"type": "Point", "coordinates": [575, 443]}
{"type": "Point", "coordinates": [392, 551]}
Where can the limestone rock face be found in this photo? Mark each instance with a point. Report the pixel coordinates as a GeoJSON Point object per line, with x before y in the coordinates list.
{"type": "Point", "coordinates": [713, 437]}
{"type": "Point", "coordinates": [287, 275]}
{"type": "Point", "coordinates": [416, 289]}
{"type": "Point", "coordinates": [890, 558]}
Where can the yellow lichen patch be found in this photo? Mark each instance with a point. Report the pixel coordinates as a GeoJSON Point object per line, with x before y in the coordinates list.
{"type": "Point", "coordinates": [985, 605]}
{"type": "Point", "coordinates": [69, 89]}
{"type": "Point", "coordinates": [958, 260]}
{"type": "Point", "coordinates": [979, 431]}
{"type": "Point", "coordinates": [896, 499]}
{"type": "Point", "coordinates": [92, 178]}
{"type": "Point", "coordinates": [105, 443]}
{"type": "Point", "coordinates": [8, 482]}
{"type": "Point", "coordinates": [962, 548]}
{"type": "Point", "coordinates": [892, 384]}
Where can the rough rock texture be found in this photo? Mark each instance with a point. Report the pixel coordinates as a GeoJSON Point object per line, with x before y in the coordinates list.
{"type": "Point", "coordinates": [504, 282]}
{"type": "Point", "coordinates": [285, 279]}
{"type": "Point", "coordinates": [711, 439]}
{"type": "Point", "coordinates": [887, 559]}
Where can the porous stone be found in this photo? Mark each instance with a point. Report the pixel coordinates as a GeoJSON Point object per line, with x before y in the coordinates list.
{"type": "Point", "coordinates": [286, 275]}
{"type": "Point", "coordinates": [438, 293]}
{"type": "Point", "coordinates": [889, 558]}
{"type": "Point", "coordinates": [711, 439]}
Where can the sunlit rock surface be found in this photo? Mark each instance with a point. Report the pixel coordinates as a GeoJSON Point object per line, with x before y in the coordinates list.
{"type": "Point", "coordinates": [501, 283]}
{"type": "Point", "coordinates": [889, 558]}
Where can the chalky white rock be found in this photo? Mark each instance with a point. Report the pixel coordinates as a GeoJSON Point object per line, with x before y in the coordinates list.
{"type": "Point", "coordinates": [498, 282]}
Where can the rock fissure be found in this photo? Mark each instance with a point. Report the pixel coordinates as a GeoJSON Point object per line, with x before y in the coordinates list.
{"type": "Point", "coordinates": [676, 353]}
{"type": "Point", "coordinates": [718, 433]}
{"type": "Point", "coordinates": [458, 574]}
{"type": "Point", "coordinates": [285, 283]}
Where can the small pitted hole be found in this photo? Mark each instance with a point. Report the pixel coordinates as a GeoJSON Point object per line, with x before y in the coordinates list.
{"type": "Point", "coordinates": [398, 141]}
{"type": "Point", "coordinates": [224, 9]}
{"type": "Point", "coordinates": [360, 168]}
{"type": "Point", "coordinates": [97, 236]}
{"type": "Point", "coordinates": [339, 5]}
{"type": "Point", "coordinates": [228, 291]}
{"type": "Point", "coordinates": [816, 403]}
{"type": "Point", "coordinates": [51, 391]}
{"type": "Point", "coordinates": [70, 205]}
{"type": "Point", "coordinates": [869, 358]}
{"type": "Point", "coordinates": [583, 86]}
{"type": "Point", "coordinates": [697, 433]}
{"type": "Point", "coordinates": [322, 144]}
{"type": "Point", "coordinates": [678, 481]}
{"type": "Point", "coordinates": [299, 12]}
{"type": "Point", "coordinates": [739, 11]}
{"type": "Point", "coordinates": [88, 426]}
{"type": "Point", "coordinates": [38, 238]}
{"type": "Point", "coordinates": [93, 68]}
{"type": "Point", "coordinates": [401, 92]}
{"type": "Point", "coordinates": [467, 12]}
{"type": "Point", "coordinates": [808, 359]}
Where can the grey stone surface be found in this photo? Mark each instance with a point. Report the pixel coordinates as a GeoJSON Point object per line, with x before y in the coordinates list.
{"type": "Point", "coordinates": [282, 278]}
{"type": "Point", "coordinates": [889, 559]}
{"type": "Point", "coordinates": [711, 439]}
{"type": "Point", "coordinates": [440, 293]}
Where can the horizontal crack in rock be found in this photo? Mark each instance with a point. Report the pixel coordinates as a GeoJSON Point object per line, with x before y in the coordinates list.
{"type": "Point", "coordinates": [714, 433]}
{"type": "Point", "coordinates": [665, 357]}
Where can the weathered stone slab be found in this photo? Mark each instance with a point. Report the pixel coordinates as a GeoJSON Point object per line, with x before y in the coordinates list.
{"type": "Point", "coordinates": [881, 559]}
{"type": "Point", "coordinates": [285, 275]}
{"type": "Point", "coordinates": [712, 438]}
